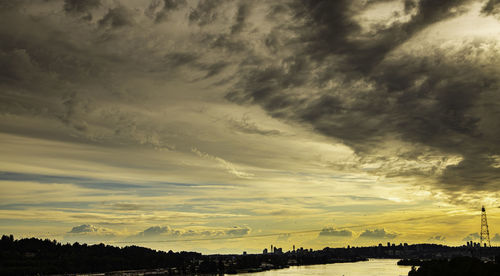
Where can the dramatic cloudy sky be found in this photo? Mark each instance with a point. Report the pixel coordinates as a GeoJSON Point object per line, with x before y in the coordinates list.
{"type": "Point", "coordinates": [223, 126]}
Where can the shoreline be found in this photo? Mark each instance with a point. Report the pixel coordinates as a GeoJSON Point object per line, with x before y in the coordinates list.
{"type": "Point", "coordinates": [262, 269]}
{"type": "Point", "coordinates": [170, 271]}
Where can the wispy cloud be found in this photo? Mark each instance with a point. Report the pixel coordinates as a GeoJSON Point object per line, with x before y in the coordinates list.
{"type": "Point", "coordinates": [230, 167]}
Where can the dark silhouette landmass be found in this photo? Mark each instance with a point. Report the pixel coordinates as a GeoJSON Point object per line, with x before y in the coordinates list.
{"type": "Point", "coordinates": [34, 256]}
{"type": "Point", "coordinates": [459, 266]}
{"type": "Point", "coordinates": [421, 251]}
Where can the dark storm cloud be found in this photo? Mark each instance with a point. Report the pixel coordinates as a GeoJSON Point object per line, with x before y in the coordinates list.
{"type": "Point", "coordinates": [168, 7]}
{"type": "Point", "coordinates": [180, 58]}
{"type": "Point", "coordinates": [116, 17]}
{"type": "Point", "coordinates": [30, 85]}
{"type": "Point", "coordinates": [79, 7]}
{"type": "Point", "coordinates": [213, 69]}
{"type": "Point", "coordinates": [277, 9]}
{"type": "Point", "coordinates": [330, 25]}
{"type": "Point", "coordinates": [321, 68]}
{"type": "Point", "coordinates": [9, 5]}
{"type": "Point", "coordinates": [191, 60]}
{"type": "Point", "coordinates": [205, 12]}
{"type": "Point", "coordinates": [327, 28]}
{"type": "Point", "coordinates": [332, 232]}
{"type": "Point", "coordinates": [224, 42]}
{"type": "Point", "coordinates": [410, 5]}
{"type": "Point", "coordinates": [30, 62]}
{"type": "Point", "coordinates": [241, 15]}
{"type": "Point", "coordinates": [173, 4]}
{"type": "Point", "coordinates": [47, 74]}
{"type": "Point", "coordinates": [377, 234]}
{"type": "Point", "coordinates": [429, 99]}
{"type": "Point", "coordinates": [491, 7]}
{"type": "Point", "coordinates": [38, 65]}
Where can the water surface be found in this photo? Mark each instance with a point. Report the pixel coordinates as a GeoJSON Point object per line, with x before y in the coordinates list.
{"type": "Point", "coordinates": [379, 267]}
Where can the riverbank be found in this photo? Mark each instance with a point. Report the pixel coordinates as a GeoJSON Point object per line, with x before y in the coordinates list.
{"type": "Point", "coordinates": [459, 266]}
{"type": "Point", "coordinates": [379, 267]}
{"type": "Point", "coordinates": [268, 266]}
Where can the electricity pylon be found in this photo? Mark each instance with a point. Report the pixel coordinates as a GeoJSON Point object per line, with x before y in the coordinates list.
{"type": "Point", "coordinates": [485, 233]}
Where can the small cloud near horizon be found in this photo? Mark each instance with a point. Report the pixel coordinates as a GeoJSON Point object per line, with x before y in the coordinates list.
{"type": "Point", "coordinates": [437, 238]}
{"type": "Point", "coordinates": [496, 238]}
{"type": "Point", "coordinates": [167, 231]}
{"type": "Point", "coordinates": [377, 234]}
{"type": "Point", "coordinates": [90, 229]}
{"type": "Point", "coordinates": [471, 237]}
{"type": "Point", "coordinates": [332, 232]}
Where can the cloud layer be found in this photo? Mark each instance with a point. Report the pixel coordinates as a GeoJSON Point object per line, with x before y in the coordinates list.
{"type": "Point", "coordinates": [389, 83]}
{"type": "Point", "coordinates": [171, 118]}
{"type": "Point", "coordinates": [332, 232]}
{"type": "Point", "coordinates": [377, 234]}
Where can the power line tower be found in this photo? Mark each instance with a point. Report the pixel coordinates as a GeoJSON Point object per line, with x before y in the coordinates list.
{"type": "Point", "coordinates": [485, 233]}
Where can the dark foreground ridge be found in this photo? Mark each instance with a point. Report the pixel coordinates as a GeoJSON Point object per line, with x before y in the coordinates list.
{"type": "Point", "coordinates": [35, 256]}
{"type": "Point", "coordinates": [458, 266]}
{"type": "Point", "coordinates": [41, 257]}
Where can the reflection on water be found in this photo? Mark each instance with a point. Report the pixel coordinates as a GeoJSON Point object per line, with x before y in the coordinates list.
{"type": "Point", "coordinates": [379, 267]}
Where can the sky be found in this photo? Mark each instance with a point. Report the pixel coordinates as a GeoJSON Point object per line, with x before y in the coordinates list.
{"type": "Point", "coordinates": [224, 126]}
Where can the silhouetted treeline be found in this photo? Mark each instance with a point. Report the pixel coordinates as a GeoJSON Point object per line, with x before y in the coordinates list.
{"type": "Point", "coordinates": [460, 266]}
{"type": "Point", "coordinates": [35, 256]}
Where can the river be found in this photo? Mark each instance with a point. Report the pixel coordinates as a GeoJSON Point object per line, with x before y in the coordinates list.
{"type": "Point", "coordinates": [378, 267]}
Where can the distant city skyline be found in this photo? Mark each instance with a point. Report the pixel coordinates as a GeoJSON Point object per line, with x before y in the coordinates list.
{"type": "Point", "coordinates": [226, 126]}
